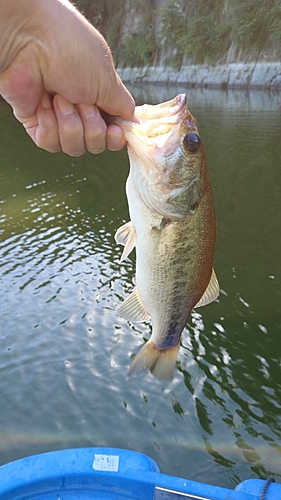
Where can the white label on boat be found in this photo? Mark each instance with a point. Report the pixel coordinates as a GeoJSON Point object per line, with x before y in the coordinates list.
{"type": "Point", "coordinates": [106, 463]}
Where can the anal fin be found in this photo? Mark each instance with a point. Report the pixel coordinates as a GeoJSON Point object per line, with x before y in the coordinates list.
{"type": "Point", "coordinates": [211, 293]}
{"type": "Point", "coordinates": [132, 308]}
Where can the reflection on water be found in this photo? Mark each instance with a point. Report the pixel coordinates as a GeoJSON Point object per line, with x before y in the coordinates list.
{"type": "Point", "coordinates": [64, 352]}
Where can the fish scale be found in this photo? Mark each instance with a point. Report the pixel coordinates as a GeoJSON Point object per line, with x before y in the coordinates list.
{"type": "Point", "coordinates": [173, 228]}
{"type": "Point", "coordinates": [181, 262]}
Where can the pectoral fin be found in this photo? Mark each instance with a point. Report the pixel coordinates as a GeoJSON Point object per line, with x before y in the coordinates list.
{"type": "Point", "coordinates": [211, 293]}
{"type": "Point", "coordinates": [126, 235]}
{"type": "Point", "coordinates": [132, 308]}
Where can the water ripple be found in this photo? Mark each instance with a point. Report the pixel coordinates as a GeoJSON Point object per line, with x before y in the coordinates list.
{"type": "Point", "coordinates": [64, 351]}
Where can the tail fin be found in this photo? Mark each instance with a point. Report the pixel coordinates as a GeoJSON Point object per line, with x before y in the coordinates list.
{"type": "Point", "coordinates": [161, 363]}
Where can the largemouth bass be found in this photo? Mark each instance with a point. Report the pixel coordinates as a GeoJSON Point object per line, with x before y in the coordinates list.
{"type": "Point", "coordinates": [173, 228]}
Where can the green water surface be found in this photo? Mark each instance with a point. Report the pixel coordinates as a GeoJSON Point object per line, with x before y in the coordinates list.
{"type": "Point", "coordinates": [64, 353]}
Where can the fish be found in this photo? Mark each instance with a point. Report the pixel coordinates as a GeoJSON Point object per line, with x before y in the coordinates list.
{"type": "Point", "coordinates": [172, 228]}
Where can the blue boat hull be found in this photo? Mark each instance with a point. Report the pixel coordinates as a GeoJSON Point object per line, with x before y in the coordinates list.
{"type": "Point", "coordinates": [109, 474]}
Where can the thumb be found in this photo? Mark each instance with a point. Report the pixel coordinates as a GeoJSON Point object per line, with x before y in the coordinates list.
{"type": "Point", "coordinates": [115, 99]}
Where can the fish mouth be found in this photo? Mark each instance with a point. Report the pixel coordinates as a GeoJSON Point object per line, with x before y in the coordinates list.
{"type": "Point", "coordinates": [154, 120]}
{"type": "Point", "coordinates": [158, 120]}
{"type": "Point", "coordinates": [156, 128]}
{"type": "Point", "coordinates": [168, 111]}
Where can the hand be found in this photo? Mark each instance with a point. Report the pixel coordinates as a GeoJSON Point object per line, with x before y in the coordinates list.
{"type": "Point", "coordinates": [58, 74]}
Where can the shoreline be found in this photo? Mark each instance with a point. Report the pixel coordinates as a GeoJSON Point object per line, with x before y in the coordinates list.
{"type": "Point", "coordinates": [252, 75]}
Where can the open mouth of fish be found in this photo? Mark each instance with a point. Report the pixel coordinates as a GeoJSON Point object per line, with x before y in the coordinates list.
{"type": "Point", "coordinates": [156, 130]}
{"type": "Point", "coordinates": [156, 121]}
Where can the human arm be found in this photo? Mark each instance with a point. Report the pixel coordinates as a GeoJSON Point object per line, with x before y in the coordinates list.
{"type": "Point", "coordinates": [57, 72]}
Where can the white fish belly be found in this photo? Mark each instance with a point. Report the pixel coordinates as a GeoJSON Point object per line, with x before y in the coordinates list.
{"type": "Point", "coordinates": [165, 278]}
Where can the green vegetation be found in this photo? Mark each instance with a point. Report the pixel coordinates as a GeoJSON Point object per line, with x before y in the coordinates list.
{"type": "Point", "coordinates": [137, 49]}
{"type": "Point", "coordinates": [201, 31]}
{"type": "Point", "coordinates": [255, 23]}
{"type": "Point", "coordinates": [197, 29]}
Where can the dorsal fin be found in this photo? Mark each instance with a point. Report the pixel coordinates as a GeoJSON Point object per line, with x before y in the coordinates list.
{"type": "Point", "coordinates": [211, 293]}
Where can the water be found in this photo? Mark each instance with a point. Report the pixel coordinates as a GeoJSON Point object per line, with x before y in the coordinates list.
{"type": "Point", "coordinates": [64, 353]}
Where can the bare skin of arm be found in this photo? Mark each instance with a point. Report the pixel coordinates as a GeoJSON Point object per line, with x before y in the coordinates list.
{"type": "Point", "coordinates": [57, 73]}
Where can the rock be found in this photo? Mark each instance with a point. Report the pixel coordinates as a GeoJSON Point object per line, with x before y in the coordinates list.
{"type": "Point", "coordinates": [233, 75]}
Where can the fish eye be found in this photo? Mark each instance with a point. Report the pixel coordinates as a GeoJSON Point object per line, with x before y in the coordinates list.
{"type": "Point", "coordinates": [192, 142]}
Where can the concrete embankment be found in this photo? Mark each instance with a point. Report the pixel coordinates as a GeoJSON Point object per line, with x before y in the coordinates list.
{"type": "Point", "coordinates": [260, 75]}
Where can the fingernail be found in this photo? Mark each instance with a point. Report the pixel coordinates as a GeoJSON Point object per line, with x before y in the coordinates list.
{"type": "Point", "coordinates": [65, 107]}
